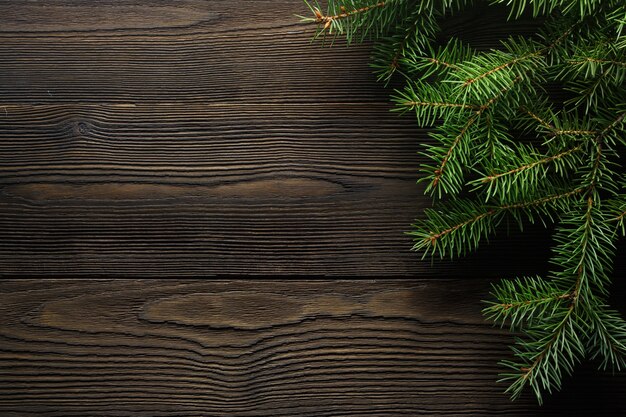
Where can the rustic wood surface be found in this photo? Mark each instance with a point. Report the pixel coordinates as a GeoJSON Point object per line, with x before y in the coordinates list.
{"type": "Point", "coordinates": [182, 138]}
{"type": "Point", "coordinates": [263, 348]}
{"type": "Point", "coordinates": [153, 138]}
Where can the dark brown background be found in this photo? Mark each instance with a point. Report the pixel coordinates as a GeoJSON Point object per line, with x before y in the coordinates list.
{"type": "Point", "coordinates": [173, 139]}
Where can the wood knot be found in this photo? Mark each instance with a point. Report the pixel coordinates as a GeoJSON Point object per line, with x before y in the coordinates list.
{"type": "Point", "coordinates": [79, 128]}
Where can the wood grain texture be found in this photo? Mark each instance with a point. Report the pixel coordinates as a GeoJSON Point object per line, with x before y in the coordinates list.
{"type": "Point", "coordinates": [269, 348]}
{"type": "Point", "coordinates": [194, 138]}
{"type": "Point", "coordinates": [154, 138]}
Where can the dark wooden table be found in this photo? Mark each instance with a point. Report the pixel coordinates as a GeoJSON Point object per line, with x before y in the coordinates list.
{"type": "Point", "coordinates": [144, 139]}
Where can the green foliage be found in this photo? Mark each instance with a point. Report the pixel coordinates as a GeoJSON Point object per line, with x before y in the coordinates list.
{"type": "Point", "coordinates": [505, 150]}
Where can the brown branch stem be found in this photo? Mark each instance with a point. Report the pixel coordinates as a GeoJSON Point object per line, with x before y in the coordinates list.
{"type": "Point", "coordinates": [508, 306]}
{"type": "Point", "coordinates": [481, 109]}
{"type": "Point", "coordinates": [598, 61]}
{"type": "Point", "coordinates": [442, 63]}
{"type": "Point", "coordinates": [434, 237]}
{"type": "Point", "coordinates": [518, 59]}
{"type": "Point", "coordinates": [542, 161]}
{"type": "Point", "coordinates": [495, 210]}
{"type": "Point", "coordinates": [327, 20]}
{"type": "Point", "coordinates": [553, 129]}
{"type": "Point", "coordinates": [439, 104]}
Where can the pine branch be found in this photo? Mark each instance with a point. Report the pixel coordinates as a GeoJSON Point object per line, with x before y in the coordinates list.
{"type": "Point", "coordinates": [438, 173]}
{"type": "Point", "coordinates": [587, 258]}
{"type": "Point", "coordinates": [438, 62]}
{"type": "Point", "coordinates": [554, 131]}
{"type": "Point", "coordinates": [591, 60]}
{"type": "Point", "coordinates": [431, 103]}
{"type": "Point", "coordinates": [441, 234]}
{"type": "Point", "coordinates": [488, 72]}
{"type": "Point", "coordinates": [453, 182]}
{"type": "Point", "coordinates": [358, 19]}
{"type": "Point", "coordinates": [541, 161]}
{"type": "Point", "coordinates": [543, 360]}
{"type": "Point", "coordinates": [547, 7]}
{"type": "Point", "coordinates": [539, 202]}
{"type": "Point", "coordinates": [413, 104]}
{"type": "Point", "coordinates": [525, 302]}
{"type": "Point", "coordinates": [607, 340]}
{"type": "Point", "coordinates": [504, 150]}
{"type": "Point", "coordinates": [595, 69]}
{"type": "Point", "coordinates": [552, 349]}
{"type": "Point", "coordinates": [327, 20]}
{"type": "Point", "coordinates": [616, 212]}
{"type": "Point", "coordinates": [526, 171]}
{"type": "Point", "coordinates": [413, 36]}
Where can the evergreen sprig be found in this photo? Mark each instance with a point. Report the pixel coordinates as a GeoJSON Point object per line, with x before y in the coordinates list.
{"type": "Point", "coordinates": [505, 148]}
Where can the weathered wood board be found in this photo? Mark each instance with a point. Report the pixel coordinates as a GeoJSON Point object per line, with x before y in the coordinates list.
{"type": "Point", "coordinates": [193, 138]}
{"type": "Point", "coordinates": [197, 138]}
{"type": "Point", "coordinates": [264, 348]}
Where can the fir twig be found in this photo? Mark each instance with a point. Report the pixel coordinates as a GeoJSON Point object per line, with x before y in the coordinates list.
{"type": "Point", "coordinates": [504, 149]}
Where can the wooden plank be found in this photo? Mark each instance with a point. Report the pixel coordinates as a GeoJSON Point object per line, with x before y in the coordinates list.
{"type": "Point", "coordinates": [143, 138]}
{"type": "Point", "coordinates": [257, 348]}
{"type": "Point", "coordinates": [171, 190]}
{"type": "Point", "coordinates": [203, 52]}
{"type": "Point", "coordinates": [169, 138]}
{"type": "Point", "coordinates": [192, 51]}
